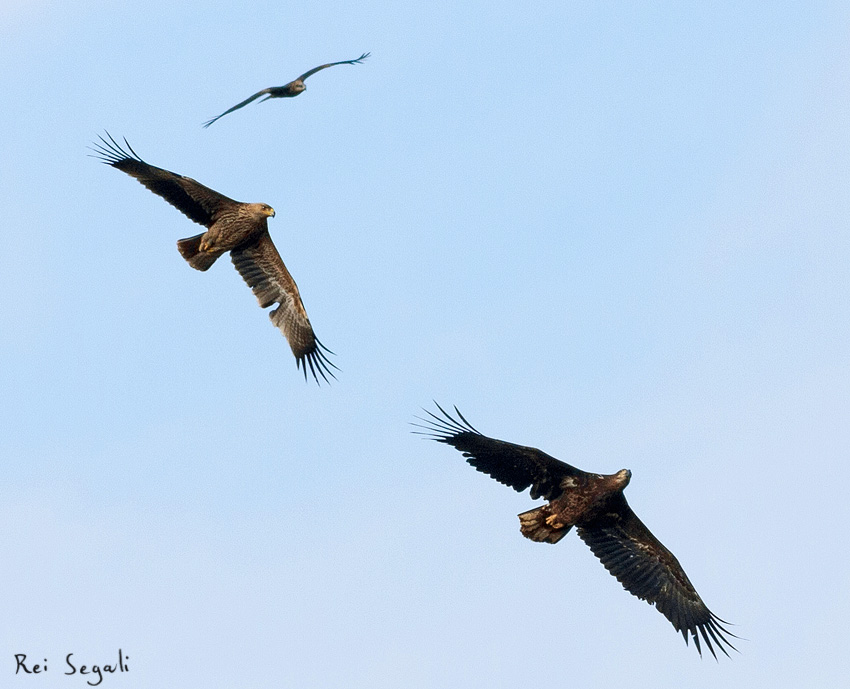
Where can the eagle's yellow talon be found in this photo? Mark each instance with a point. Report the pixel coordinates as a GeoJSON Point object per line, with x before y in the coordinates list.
{"type": "Point", "coordinates": [552, 520]}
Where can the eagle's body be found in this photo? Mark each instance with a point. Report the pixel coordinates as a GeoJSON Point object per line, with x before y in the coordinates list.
{"type": "Point", "coordinates": [596, 506]}
{"type": "Point", "coordinates": [583, 498]}
{"type": "Point", "coordinates": [235, 226]}
{"type": "Point", "coordinates": [231, 228]}
{"type": "Point", "coordinates": [240, 228]}
{"type": "Point", "coordinates": [293, 88]}
{"type": "Point", "coordinates": [290, 90]}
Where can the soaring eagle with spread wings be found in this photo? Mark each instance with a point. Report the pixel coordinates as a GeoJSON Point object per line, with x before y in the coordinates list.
{"type": "Point", "coordinates": [596, 506]}
{"type": "Point", "coordinates": [290, 90]}
{"type": "Point", "coordinates": [241, 229]}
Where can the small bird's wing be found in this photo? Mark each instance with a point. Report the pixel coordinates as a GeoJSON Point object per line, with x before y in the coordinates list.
{"type": "Point", "coordinates": [332, 64]}
{"type": "Point", "coordinates": [261, 266]}
{"type": "Point", "coordinates": [240, 105]}
{"type": "Point", "coordinates": [516, 466]}
{"type": "Point", "coordinates": [197, 202]}
{"type": "Point", "coordinates": [646, 569]}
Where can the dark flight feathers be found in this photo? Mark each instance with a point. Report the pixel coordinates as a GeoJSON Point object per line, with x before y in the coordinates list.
{"type": "Point", "coordinates": [648, 570]}
{"type": "Point", "coordinates": [197, 202]}
{"type": "Point", "coordinates": [516, 466]}
{"type": "Point", "coordinates": [626, 548]}
{"type": "Point", "coordinates": [311, 72]}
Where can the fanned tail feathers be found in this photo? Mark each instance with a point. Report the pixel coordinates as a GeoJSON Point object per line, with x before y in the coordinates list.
{"type": "Point", "coordinates": [533, 525]}
{"type": "Point", "coordinates": [190, 249]}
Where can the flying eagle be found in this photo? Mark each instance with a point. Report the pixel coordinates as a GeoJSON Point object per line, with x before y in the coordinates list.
{"type": "Point", "coordinates": [290, 90]}
{"type": "Point", "coordinates": [596, 506]}
{"type": "Point", "coordinates": [241, 229]}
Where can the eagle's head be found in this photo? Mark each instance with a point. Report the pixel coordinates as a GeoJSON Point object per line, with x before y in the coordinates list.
{"type": "Point", "coordinates": [263, 210]}
{"type": "Point", "coordinates": [623, 477]}
{"type": "Point", "coordinates": [299, 86]}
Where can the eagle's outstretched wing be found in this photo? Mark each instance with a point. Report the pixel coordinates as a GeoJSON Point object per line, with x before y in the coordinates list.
{"type": "Point", "coordinates": [333, 64]}
{"type": "Point", "coordinates": [261, 266]}
{"type": "Point", "coordinates": [516, 466]}
{"type": "Point", "coordinates": [646, 569]}
{"type": "Point", "coordinates": [240, 105]}
{"type": "Point", "coordinates": [197, 202]}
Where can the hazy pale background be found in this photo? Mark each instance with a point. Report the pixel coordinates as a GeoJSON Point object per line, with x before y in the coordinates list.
{"type": "Point", "coordinates": [619, 235]}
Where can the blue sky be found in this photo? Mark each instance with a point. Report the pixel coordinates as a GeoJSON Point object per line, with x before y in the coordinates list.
{"type": "Point", "coordinates": [618, 235]}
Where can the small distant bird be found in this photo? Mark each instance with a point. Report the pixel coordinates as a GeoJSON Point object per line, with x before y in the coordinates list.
{"type": "Point", "coordinates": [596, 506]}
{"type": "Point", "coordinates": [290, 90]}
{"type": "Point", "coordinates": [241, 229]}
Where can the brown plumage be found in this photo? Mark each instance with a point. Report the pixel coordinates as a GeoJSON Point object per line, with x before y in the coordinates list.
{"type": "Point", "coordinates": [596, 506]}
{"type": "Point", "coordinates": [290, 90]}
{"type": "Point", "coordinates": [241, 229]}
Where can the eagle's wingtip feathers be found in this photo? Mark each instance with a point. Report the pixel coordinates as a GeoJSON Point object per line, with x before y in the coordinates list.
{"type": "Point", "coordinates": [318, 362]}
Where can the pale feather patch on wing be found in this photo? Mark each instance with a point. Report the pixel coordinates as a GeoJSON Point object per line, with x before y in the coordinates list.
{"type": "Point", "coordinates": [262, 268]}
